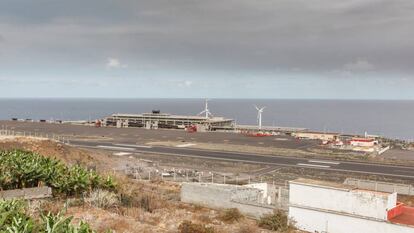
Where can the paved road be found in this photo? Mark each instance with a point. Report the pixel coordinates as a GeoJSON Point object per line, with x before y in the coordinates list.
{"type": "Point", "coordinates": [328, 165]}
{"type": "Point", "coordinates": [132, 135]}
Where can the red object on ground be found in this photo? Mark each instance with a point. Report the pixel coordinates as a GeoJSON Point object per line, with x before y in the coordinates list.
{"type": "Point", "coordinates": [191, 129]}
{"type": "Point", "coordinates": [362, 140]}
{"type": "Point", "coordinates": [98, 123]}
{"type": "Point", "coordinates": [259, 134]}
{"type": "Point", "coordinates": [396, 211]}
{"type": "Point", "coordinates": [406, 217]}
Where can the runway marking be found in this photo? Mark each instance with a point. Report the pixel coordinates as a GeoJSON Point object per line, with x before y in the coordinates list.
{"type": "Point", "coordinates": [121, 153]}
{"type": "Point", "coordinates": [132, 145]}
{"type": "Point", "coordinates": [322, 161]}
{"type": "Point", "coordinates": [185, 145]}
{"type": "Point", "coordinates": [313, 165]}
{"type": "Point", "coordinates": [266, 163]}
{"type": "Point", "coordinates": [116, 147]}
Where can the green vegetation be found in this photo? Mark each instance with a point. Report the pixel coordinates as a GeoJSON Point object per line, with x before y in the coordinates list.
{"type": "Point", "coordinates": [278, 221]}
{"type": "Point", "coordinates": [23, 169]}
{"type": "Point", "coordinates": [14, 219]}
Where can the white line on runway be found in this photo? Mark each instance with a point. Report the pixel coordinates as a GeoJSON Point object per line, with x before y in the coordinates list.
{"type": "Point", "coordinates": [116, 147]}
{"type": "Point", "coordinates": [132, 145]}
{"type": "Point", "coordinates": [313, 165]}
{"type": "Point", "coordinates": [122, 153]}
{"type": "Point", "coordinates": [185, 145]}
{"type": "Point", "coordinates": [321, 161]}
{"type": "Point", "coordinates": [266, 163]}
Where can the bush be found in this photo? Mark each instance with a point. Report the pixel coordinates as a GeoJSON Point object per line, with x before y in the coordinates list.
{"type": "Point", "coordinates": [23, 169]}
{"type": "Point", "coordinates": [230, 215]}
{"type": "Point", "coordinates": [103, 199]}
{"type": "Point", "coordinates": [189, 227]}
{"type": "Point", "coordinates": [278, 221]}
{"type": "Point", "coordinates": [248, 228]}
{"type": "Point", "coordinates": [14, 219]}
{"type": "Point", "coordinates": [147, 202]}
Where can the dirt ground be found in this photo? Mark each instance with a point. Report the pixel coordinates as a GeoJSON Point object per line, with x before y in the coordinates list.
{"type": "Point", "coordinates": [166, 210]}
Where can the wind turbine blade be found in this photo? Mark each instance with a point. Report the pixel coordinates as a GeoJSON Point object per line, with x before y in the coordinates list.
{"type": "Point", "coordinates": [202, 112]}
{"type": "Point", "coordinates": [256, 107]}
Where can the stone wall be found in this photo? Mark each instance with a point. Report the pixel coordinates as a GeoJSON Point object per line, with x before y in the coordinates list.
{"type": "Point", "coordinates": [27, 193]}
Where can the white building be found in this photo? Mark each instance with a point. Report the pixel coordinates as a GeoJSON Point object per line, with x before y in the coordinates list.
{"type": "Point", "coordinates": [363, 142]}
{"type": "Point", "coordinates": [318, 206]}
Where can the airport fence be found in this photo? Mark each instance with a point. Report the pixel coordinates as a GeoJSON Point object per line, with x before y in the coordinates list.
{"type": "Point", "coordinates": [7, 132]}
{"type": "Point", "coordinates": [404, 189]}
{"type": "Point", "coordinates": [279, 192]}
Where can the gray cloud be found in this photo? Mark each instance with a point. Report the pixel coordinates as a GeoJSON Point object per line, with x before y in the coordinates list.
{"type": "Point", "coordinates": [311, 36]}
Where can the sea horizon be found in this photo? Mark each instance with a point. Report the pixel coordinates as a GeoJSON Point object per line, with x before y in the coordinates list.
{"type": "Point", "coordinates": [388, 118]}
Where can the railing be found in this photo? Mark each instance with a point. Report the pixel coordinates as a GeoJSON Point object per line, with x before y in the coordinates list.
{"type": "Point", "coordinates": [396, 211]}
{"type": "Point", "coordinates": [381, 186]}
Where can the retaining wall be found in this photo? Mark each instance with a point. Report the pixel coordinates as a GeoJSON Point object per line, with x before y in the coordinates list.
{"type": "Point", "coordinates": [222, 196]}
{"type": "Point", "coordinates": [27, 193]}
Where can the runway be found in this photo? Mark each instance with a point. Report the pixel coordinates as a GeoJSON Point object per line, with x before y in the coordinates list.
{"type": "Point", "coordinates": [320, 164]}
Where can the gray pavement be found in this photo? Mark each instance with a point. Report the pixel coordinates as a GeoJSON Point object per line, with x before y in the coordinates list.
{"type": "Point", "coordinates": [402, 172]}
{"type": "Point", "coordinates": [126, 139]}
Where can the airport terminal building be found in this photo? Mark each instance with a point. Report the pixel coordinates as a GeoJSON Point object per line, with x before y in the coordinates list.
{"type": "Point", "coordinates": [156, 120]}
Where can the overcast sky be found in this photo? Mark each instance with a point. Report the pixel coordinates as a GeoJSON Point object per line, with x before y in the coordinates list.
{"type": "Point", "coordinates": [353, 49]}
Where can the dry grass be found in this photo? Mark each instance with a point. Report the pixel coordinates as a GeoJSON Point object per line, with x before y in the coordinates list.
{"type": "Point", "coordinates": [278, 221]}
{"type": "Point", "coordinates": [143, 206]}
{"type": "Point", "coordinates": [231, 215]}
{"type": "Point", "coordinates": [103, 199]}
{"type": "Point", "coordinates": [190, 227]}
{"type": "Point", "coordinates": [204, 218]}
{"type": "Point", "coordinates": [248, 228]}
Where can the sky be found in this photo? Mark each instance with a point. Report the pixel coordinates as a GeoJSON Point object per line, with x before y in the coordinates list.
{"type": "Point", "coordinates": [301, 49]}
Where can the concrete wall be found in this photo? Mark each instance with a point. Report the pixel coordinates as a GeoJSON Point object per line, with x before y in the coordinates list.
{"type": "Point", "coordinates": [357, 202]}
{"type": "Point", "coordinates": [381, 186]}
{"type": "Point", "coordinates": [318, 221]}
{"type": "Point", "coordinates": [28, 193]}
{"type": "Point", "coordinates": [221, 196]}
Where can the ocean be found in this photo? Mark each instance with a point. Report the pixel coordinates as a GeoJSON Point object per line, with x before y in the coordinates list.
{"type": "Point", "coordinates": [390, 118]}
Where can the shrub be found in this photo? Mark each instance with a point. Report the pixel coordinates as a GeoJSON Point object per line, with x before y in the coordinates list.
{"type": "Point", "coordinates": [14, 219]}
{"type": "Point", "coordinates": [147, 202]}
{"type": "Point", "coordinates": [23, 169]}
{"type": "Point", "coordinates": [248, 228]}
{"type": "Point", "coordinates": [103, 199]}
{"type": "Point", "coordinates": [189, 227]}
{"type": "Point", "coordinates": [278, 221]}
{"type": "Point", "coordinates": [230, 215]}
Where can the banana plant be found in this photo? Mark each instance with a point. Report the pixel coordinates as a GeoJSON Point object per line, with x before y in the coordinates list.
{"type": "Point", "coordinates": [23, 169]}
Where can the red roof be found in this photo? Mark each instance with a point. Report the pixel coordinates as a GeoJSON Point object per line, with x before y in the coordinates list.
{"type": "Point", "coordinates": [406, 217]}
{"type": "Point", "coordinates": [362, 140]}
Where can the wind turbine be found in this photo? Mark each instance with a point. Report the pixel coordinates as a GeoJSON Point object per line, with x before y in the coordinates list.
{"type": "Point", "coordinates": [206, 111]}
{"type": "Point", "coordinates": [259, 115]}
